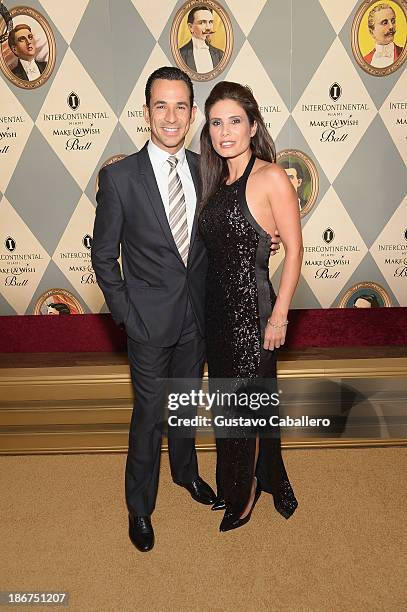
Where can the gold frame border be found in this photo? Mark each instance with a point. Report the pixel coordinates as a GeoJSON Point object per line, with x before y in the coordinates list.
{"type": "Point", "coordinates": [43, 297]}
{"type": "Point", "coordinates": [368, 284]}
{"type": "Point", "coordinates": [34, 14]}
{"type": "Point", "coordinates": [313, 173]}
{"type": "Point", "coordinates": [185, 8]}
{"type": "Point", "coordinates": [364, 6]}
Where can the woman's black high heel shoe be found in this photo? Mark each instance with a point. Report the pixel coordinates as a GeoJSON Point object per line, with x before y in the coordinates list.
{"type": "Point", "coordinates": [286, 504]}
{"type": "Point", "coordinates": [231, 521]}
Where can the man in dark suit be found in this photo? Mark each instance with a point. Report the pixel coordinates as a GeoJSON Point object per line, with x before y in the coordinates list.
{"type": "Point", "coordinates": [22, 43]}
{"type": "Point", "coordinates": [160, 300]}
{"type": "Point", "coordinates": [198, 54]}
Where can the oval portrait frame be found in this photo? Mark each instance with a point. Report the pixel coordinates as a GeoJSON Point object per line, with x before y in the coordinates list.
{"type": "Point", "coordinates": [40, 19]}
{"type": "Point", "coordinates": [365, 285]}
{"type": "Point", "coordinates": [44, 296]}
{"type": "Point", "coordinates": [354, 34]}
{"type": "Point", "coordinates": [227, 24]}
{"type": "Point", "coordinates": [312, 169]}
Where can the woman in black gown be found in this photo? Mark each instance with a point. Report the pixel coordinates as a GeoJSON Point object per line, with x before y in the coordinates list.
{"type": "Point", "coordinates": [246, 321]}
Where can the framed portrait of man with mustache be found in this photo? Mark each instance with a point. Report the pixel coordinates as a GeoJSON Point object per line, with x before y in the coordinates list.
{"type": "Point", "coordinates": [202, 39]}
{"type": "Point", "coordinates": [379, 36]}
{"type": "Point", "coordinates": [27, 54]}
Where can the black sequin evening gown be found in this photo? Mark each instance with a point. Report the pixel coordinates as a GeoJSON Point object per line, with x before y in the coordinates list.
{"type": "Point", "coordinates": [239, 299]}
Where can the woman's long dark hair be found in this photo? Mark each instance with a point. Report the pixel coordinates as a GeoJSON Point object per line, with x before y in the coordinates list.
{"type": "Point", "coordinates": [214, 168]}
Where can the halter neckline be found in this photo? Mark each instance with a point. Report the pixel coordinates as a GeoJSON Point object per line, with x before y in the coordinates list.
{"type": "Point", "coordinates": [246, 172]}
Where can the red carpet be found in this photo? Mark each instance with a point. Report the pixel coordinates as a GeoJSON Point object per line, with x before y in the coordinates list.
{"type": "Point", "coordinates": [308, 328]}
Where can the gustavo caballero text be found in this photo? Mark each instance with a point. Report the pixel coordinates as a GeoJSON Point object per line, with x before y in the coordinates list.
{"type": "Point", "coordinates": [222, 421]}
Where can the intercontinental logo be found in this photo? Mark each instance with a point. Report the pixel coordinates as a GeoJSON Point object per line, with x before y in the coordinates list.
{"type": "Point", "coordinates": [393, 256]}
{"type": "Point", "coordinates": [8, 131]}
{"type": "Point", "coordinates": [137, 113]}
{"type": "Point", "coordinates": [80, 126]}
{"type": "Point", "coordinates": [336, 119]}
{"type": "Point", "coordinates": [76, 122]}
{"type": "Point", "coordinates": [23, 260]}
{"type": "Point", "coordinates": [87, 242]}
{"type": "Point", "coordinates": [399, 106]}
{"type": "Point", "coordinates": [334, 111]}
{"type": "Point", "coordinates": [327, 259]}
{"type": "Point", "coordinates": [15, 128]}
{"type": "Point", "coordinates": [269, 109]}
{"type": "Point", "coordinates": [390, 253]}
{"type": "Point", "coordinates": [333, 249]}
{"type": "Point", "coordinates": [10, 244]}
{"type": "Point", "coordinates": [394, 114]}
{"type": "Point", "coordinates": [73, 100]}
{"type": "Point", "coordinates": [73, 255]}
{"type": "Point", "coordinates": [16, 268]}
{"type": "Point", "coordinates": [328, 235]}
{"type": "Point", "coordinates": [77, 264]}
{"type": "Point", "coordinates": [335, 92]}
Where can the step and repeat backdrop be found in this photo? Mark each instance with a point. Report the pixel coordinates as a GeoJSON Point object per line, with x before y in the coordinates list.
{"type": "Point", "coordinates": [331, 82]}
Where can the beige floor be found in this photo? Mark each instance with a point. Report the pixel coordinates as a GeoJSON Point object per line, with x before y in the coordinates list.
{"type": "Point", "coordinates": [64, 527]}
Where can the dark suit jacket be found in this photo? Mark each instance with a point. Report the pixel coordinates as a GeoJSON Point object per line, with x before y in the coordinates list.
{"type": "Point", "coordinates": [20, 73]}
{"type": "Point", "coordinates": [152, 299]}
{"type": "Point", "coordinates": [187, 54]}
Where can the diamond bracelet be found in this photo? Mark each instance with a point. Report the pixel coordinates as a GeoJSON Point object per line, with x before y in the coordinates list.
{"type": "Point", "coordinates": [276, 324]}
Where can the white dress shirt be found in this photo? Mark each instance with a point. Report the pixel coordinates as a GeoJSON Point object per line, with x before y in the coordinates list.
{"type": "Point", "coordinates": [383, 56]}
{"type": "Point", "coordinates": [31, 69]}
{"type": "Point", "coordinates": [202, 55]}
{"type": "Point", "coordinates": [161, 168]}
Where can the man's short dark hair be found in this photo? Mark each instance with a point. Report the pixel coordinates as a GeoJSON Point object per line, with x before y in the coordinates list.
{"type": "Point", "coordinates": [169, 73]}
{"type": "Point", "coordinates": [62, 308]}
{"type": "Point", "coordinates": [200, 7]}
{"type": "Point", "coordinates": [286, 164]}
{"type": "Point", "coordinates": [12, 42]}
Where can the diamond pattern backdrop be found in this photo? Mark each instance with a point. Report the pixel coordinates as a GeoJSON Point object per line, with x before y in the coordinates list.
{"type": "Point", "coordinates": [55, 138]}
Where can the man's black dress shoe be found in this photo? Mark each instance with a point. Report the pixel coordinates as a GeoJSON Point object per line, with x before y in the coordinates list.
{"type": "Point", "coordinates": [219, 503]}
{"type": "Point", "coordinates": [200, 491]}
{"type": "Point", "coordinates": [141, 532]}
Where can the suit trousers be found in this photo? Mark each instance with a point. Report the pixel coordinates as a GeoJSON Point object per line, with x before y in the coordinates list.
{"type": "Point", "coordinates": [149, 364]}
